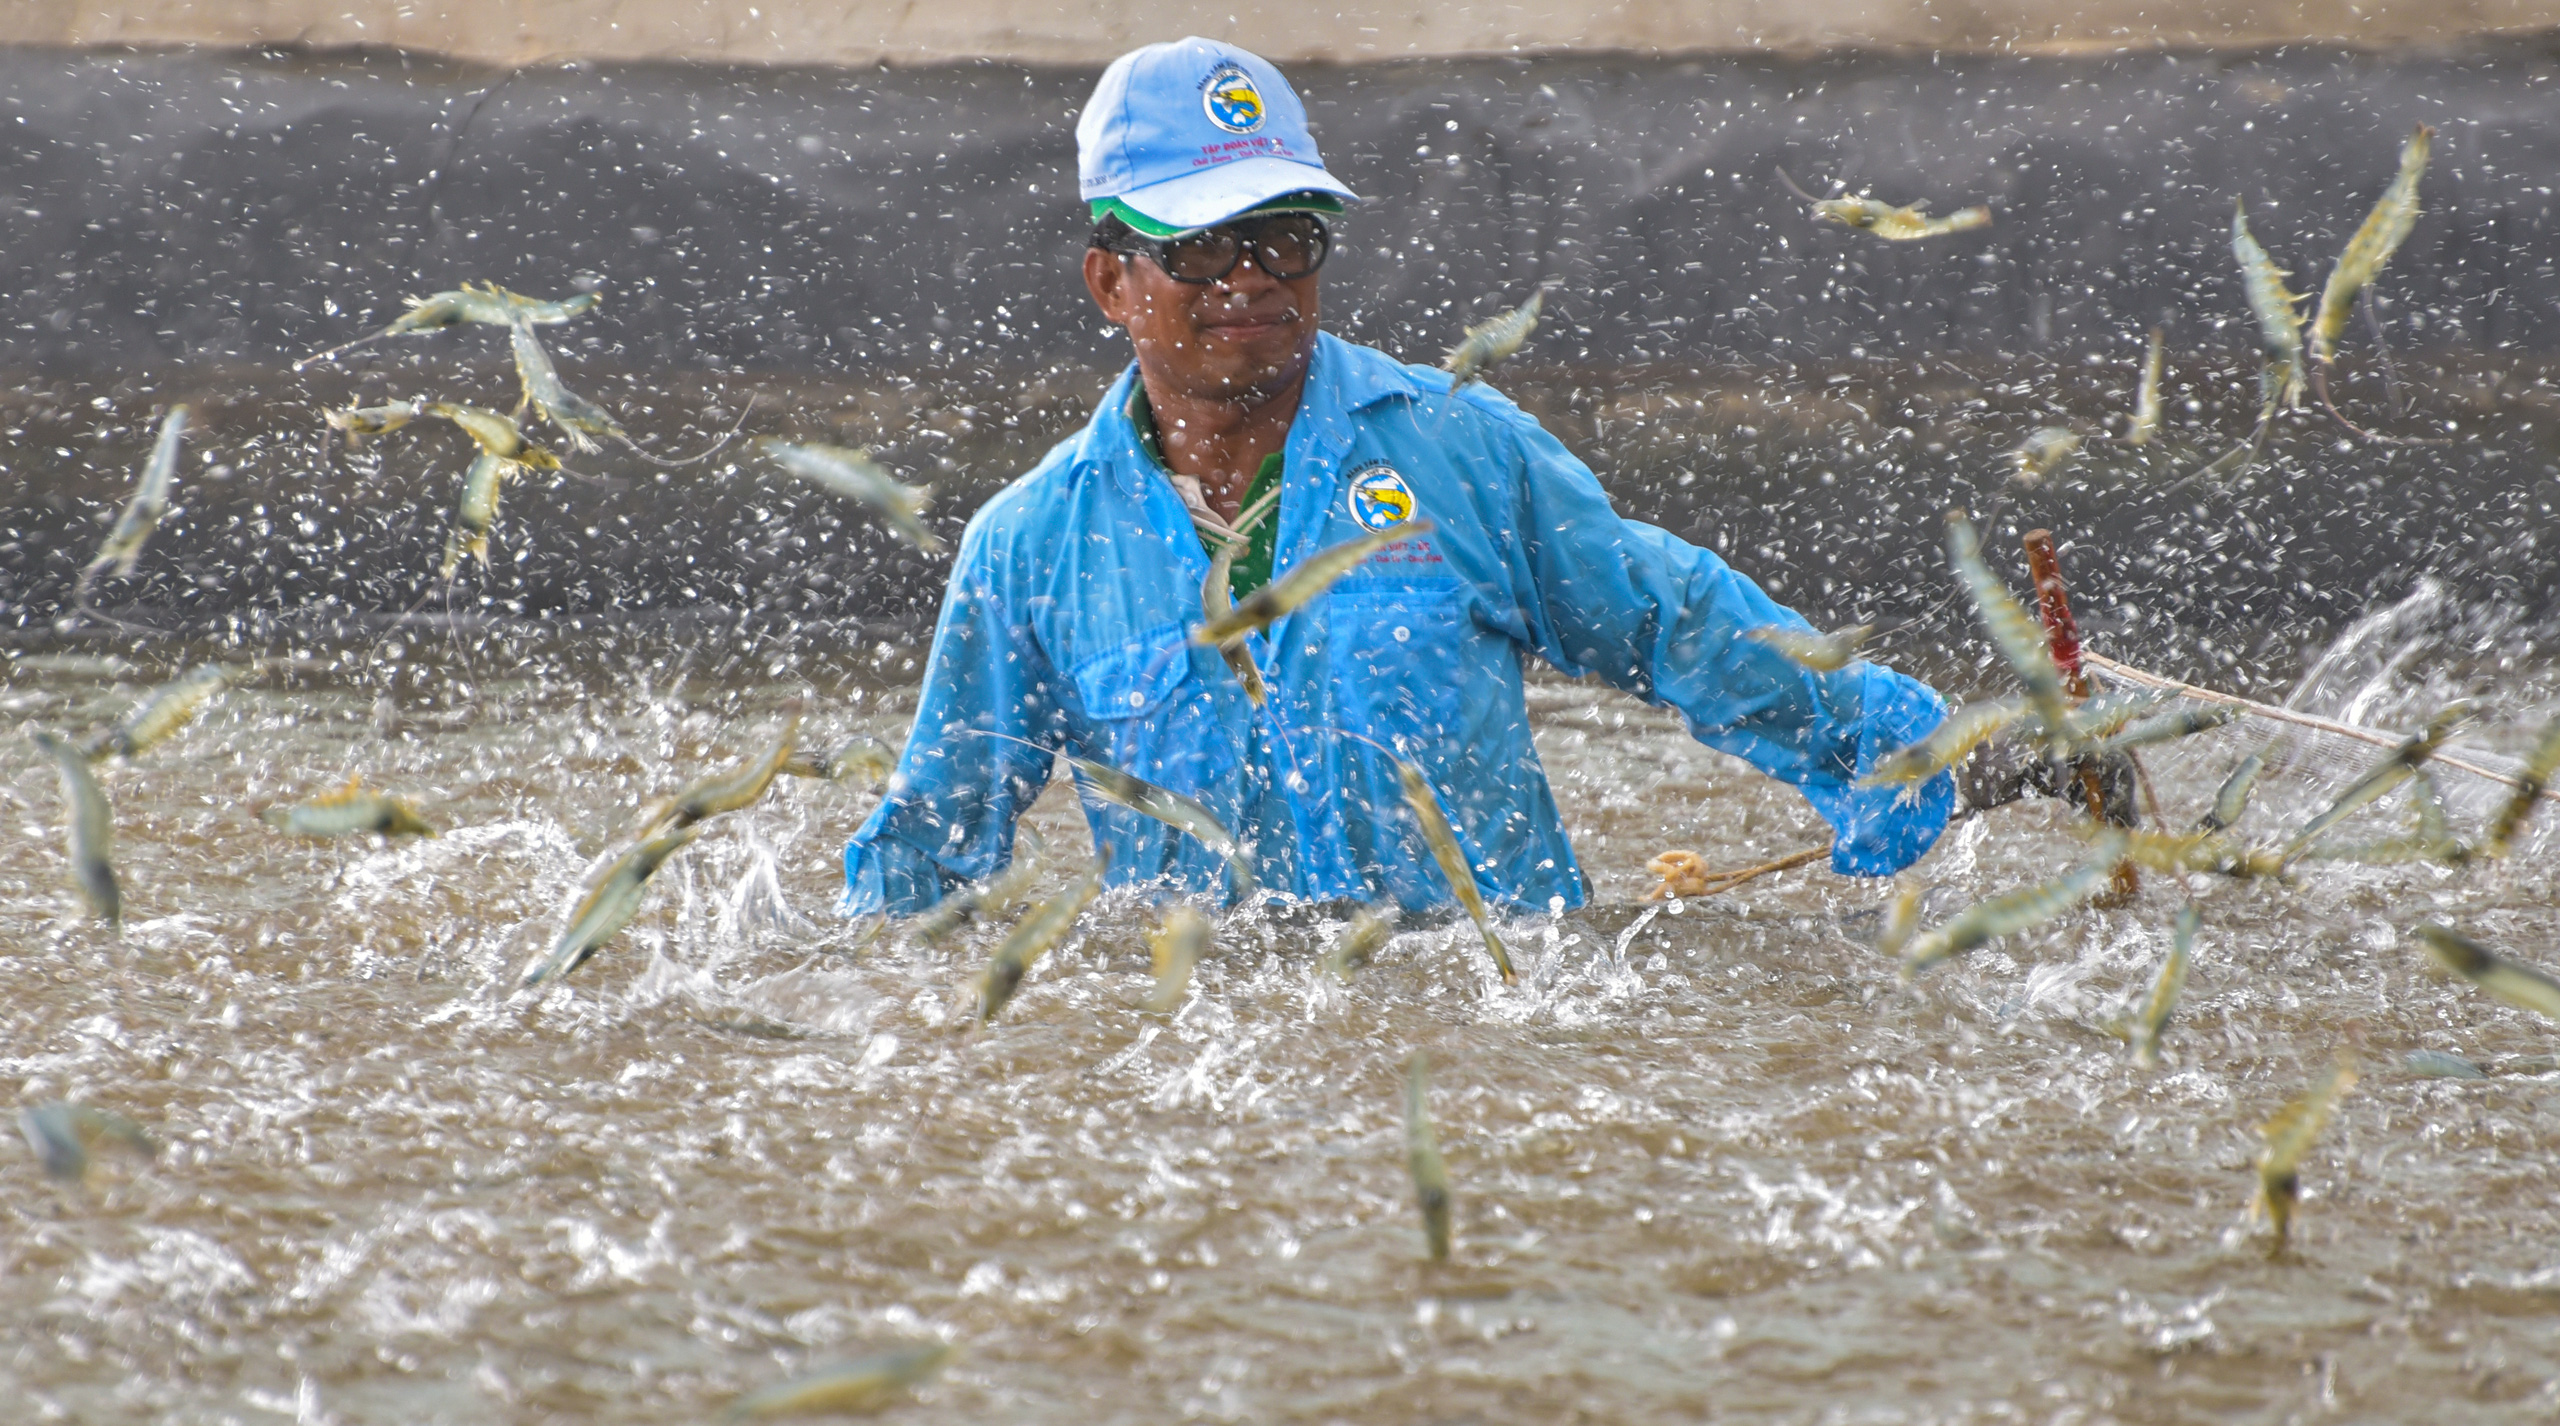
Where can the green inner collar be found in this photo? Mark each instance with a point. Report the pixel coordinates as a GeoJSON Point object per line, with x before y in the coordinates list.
{"type": "Point", "coordinates": [1252, 568]}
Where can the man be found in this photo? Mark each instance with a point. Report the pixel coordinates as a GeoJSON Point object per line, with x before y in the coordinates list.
{"type": "Point", "coordinates": [1067, 619]}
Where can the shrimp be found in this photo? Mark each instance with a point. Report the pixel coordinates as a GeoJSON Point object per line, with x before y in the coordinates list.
{"type": "Point", "coordinates": [2279, 325]}
{"type": "Point", "coordinates": [2046, 450]}
{"type": "Point", "coordinates": [2373, 244]}
{"type": "Point", "coordinates": [578, 418]}
{"type": "Point", "coordinates": [1490, 342]}
{"type": "Point", "coordinates": [503, 449]}
{"type": "Point", "coordinates": [1899, 225]}
{"type": "Point", "coordinates": [2146, 402]}
{"type": "Point", "coordinates": [1822, 653]}
{"type": "Point", "coordinates": [141, 514]}
{"type": "Point", "coordinates": [2289, 1135]}
{"type": "Point", "coordinates": [481, 304]}
{"type": "Point", "coordinates": [842, 470]}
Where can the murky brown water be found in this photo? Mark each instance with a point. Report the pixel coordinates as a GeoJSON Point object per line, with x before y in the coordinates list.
{"type": "Point", "coordinates": [1710, 1163]}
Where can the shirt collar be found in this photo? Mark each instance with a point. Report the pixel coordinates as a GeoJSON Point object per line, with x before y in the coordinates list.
{"type": "Point", "coordinates": [1348, 378]}
{"type": "Point", "coordinates": [1112, 443]}
{"type": "Point", "coordinates": [1142, 424]}
{"type": "Point", "coordinates": [1341, 379]}
{"type": "Point", "coordinates": [1122, 437]}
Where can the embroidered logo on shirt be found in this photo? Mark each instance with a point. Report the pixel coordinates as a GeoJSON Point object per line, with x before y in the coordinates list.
{"type": "Point", "coordinates": [1234, 104]}
{"type": "Point", "coordinates": [1379, 496]}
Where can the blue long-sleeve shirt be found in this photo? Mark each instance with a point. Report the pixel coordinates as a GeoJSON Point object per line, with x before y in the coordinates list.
{"type": "Point", "coordinates": [1067, 619]}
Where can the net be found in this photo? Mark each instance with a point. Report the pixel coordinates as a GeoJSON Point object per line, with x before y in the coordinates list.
{"type": "Point", "coordinates": [2376, 683]}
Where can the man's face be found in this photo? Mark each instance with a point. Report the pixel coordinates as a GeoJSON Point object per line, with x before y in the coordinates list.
{"type": "Point", "coordinates": [1245, 337]}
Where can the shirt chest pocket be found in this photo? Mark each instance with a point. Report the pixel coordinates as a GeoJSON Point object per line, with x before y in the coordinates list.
{"type": "Point", "coordinates": [1135, 680]}
{"type": "Point", "coordinates": [1399, 661]}
{"type": "Point", "coordinates": [1145, 712]}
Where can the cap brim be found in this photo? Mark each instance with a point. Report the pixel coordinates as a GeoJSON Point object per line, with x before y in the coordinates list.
{"type": "Point", "coordinates": [1213, 195]}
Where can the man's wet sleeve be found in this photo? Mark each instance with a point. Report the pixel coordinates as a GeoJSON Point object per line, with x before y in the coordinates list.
{"type": "Point", "coordinates": [949, 814]}
{"type": "Point", "coordinates": [1664, 620]}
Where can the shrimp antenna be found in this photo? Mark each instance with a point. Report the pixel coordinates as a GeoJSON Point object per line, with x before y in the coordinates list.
{"type": "Point", "coordinates": [1796, 188]}
{"type": "Point", "coordinates": [2243, 456]}
{"type": "Point", "coordinates": [340, 347]}
{"type": "Point", "coordinates": [706, 452]}
{"type": "Point", "coordinates": [82, 609]}
{"type": "Point", "coordinates": [1010, 738]}
{"type": "Point", "coordinates": [2320, 383]}
{"type": "Point", "coordinates": [443, 585]}
{"type": "Point", "coordinates": [603, 481]}
{"type": "Point", "coordinates": [2382, 349]}
{"type": "Point", "coordinates": [1363, 738]}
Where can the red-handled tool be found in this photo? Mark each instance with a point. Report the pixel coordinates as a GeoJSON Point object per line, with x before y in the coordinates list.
{"type": "Point", "coordinates": [2062, 635]}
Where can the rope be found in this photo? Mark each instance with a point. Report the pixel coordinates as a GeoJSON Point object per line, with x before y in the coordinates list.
{"type": "Point", "coordinates": [1723, 881]}
{"type": "Point", "coordinates": [2286, 715]}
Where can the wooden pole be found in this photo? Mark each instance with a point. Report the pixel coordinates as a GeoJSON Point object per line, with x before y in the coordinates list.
{"type": "Point", "coordinates": [2053, 604]}
{"type": "Point", "coordinates": [2062, 634]}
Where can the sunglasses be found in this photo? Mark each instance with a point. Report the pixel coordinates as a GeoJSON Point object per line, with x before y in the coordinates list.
{"type": "Point", "coordinates": [1284, 246]}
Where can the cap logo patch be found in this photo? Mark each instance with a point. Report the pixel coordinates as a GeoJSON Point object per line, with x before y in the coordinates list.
{"type": "Point", "coordinates": [1231, 100]}
{"type": "Point", "coordinates": [1379, 497]}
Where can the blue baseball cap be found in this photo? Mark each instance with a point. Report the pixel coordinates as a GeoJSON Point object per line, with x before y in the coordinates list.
{"type": "Point", "coordinates": [1183, 136]}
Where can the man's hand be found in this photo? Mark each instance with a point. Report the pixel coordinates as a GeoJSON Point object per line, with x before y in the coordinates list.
{"type": "Point", "coordinates": [2008, 767]}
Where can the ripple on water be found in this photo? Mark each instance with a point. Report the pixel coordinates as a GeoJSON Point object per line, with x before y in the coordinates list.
{"type": "Point", "coordinates": [1709, 1158]}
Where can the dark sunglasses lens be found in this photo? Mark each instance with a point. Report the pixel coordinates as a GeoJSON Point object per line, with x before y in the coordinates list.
{"type": "Point", "coordinates": [1285, 247]}
{"type": "Point", "coordinates": [1201, 257]}
{"type": "Point", "coordinates": [1292, 246]}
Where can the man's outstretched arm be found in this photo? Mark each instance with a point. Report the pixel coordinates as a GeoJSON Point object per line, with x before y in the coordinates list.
{"type": "Point", "coordinates": [949, 814]}
{"type": "Point", "coordinates": [1664, 620]}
